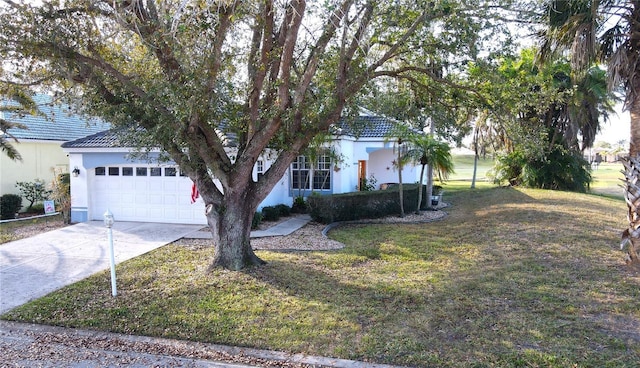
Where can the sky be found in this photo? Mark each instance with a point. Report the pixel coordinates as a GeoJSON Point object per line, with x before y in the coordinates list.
{"type": "Point", "coordinates": [617, 128]}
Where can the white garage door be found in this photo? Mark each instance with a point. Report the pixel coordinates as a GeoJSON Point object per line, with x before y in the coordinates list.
{"type": "Point", "coordinates": [144, 193]}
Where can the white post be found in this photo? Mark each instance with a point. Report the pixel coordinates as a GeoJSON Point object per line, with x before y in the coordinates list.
{"type": "Point", "coordinates": [108, 221]}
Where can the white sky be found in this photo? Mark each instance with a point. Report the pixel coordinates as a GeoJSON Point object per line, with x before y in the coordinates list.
{"type": "Point", "coordinates": [617, 128]}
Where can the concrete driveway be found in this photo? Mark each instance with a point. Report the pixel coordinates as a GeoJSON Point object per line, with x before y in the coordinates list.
{"type": "Point", "coordinates": [33, 267]}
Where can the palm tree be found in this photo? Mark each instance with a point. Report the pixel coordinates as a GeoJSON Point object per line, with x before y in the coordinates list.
{"type": "Point", "coordinates": [426, 150]}
{"type": "Point", "coordinates": [5, 137]}
{"type": "Point", "coordinates": [607, 31]}
{"type": "Point", "coordinates": [402, 159]}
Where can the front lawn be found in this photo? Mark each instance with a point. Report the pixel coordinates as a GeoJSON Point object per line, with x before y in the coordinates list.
{"type": "Point", "coordinates": [520, 278]}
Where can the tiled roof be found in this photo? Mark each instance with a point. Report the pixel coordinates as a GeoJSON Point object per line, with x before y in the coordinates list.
{"type": "Point", "coordinates": [57, 122]}
{"type": "Point", "coordinates": [104, 139]}
{"type": "Point", "coordinates": [367, 125]}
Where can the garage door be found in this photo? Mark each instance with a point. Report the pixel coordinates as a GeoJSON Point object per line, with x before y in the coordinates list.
{"type": "Point", "coordinates": [144, 193]}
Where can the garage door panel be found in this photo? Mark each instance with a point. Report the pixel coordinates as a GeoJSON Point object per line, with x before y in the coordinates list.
{"type": "Point", "coordinates": [145, 198]}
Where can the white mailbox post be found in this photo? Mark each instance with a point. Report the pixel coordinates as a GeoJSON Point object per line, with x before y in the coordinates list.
{"type": "Point", "coordinates": [108, 222]}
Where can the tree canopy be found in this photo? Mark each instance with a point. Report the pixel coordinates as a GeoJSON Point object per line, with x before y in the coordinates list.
{"type": "Point", "coordinates": [185, 75]}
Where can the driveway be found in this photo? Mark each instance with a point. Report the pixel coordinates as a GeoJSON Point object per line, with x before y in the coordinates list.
{"type": "Point", "coordinates": [33, 267]}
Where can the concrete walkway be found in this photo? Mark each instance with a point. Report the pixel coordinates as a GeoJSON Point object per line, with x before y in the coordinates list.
{"type": "Point", "coordinates": [283, 228]}
{"type": "Point", "coordinates": [33, 267]}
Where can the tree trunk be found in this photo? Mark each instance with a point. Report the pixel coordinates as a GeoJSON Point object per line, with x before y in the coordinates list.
{"type": "Point", "coordinates": [400, 189]}
{"type": "Point", "coordinates": [231, 229]}
{"type": "Point", "coordinates": [475, 157]}
{"type": "Point", "coordinates": [420, 190]}
{"type": "Point", "coordinates": [429, 186]}
{"type": "Point", "coordinates": [632, 186]}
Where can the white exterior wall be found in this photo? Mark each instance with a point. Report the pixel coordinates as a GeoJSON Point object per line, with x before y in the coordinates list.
{"type": "Point", "coordinates": [79, 189]}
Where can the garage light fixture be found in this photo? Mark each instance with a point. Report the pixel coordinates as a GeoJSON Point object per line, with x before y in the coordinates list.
{"type": "Point", "coordinates": [75, 172]}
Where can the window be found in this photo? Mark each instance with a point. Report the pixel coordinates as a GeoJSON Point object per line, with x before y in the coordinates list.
{"type": "Point", "coordinates": [141, 171]}
{"type": "Point", "coordinates": [114, 171]}
{"type": "Point", "coordinates": [170, 171]}
{"type": "Point", "coordinates": [155, 171]}
{"type": "Point", "coordinates": [260, 168]}
{"type": "Point", "coordinates": [100, 171]}
{"type": "Point", "coordinates": [300, 173]}
{"type": "Point", "coordinates": [322, 174]}
{"type": "Point", "coordinates": [127, 171]}
{"type": "Point", "coordinates": [307, 178]}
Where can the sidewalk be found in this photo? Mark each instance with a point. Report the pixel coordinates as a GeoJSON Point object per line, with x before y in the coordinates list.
{"type": "Point", "coordinates": [281, 229]}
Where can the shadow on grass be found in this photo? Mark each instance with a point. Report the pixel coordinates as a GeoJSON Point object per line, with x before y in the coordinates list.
{"type": "Point", "coordinates": [509, 278]}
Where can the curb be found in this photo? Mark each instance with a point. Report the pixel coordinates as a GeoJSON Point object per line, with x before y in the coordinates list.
{"type": "Point", "coordinates": [196, 351]}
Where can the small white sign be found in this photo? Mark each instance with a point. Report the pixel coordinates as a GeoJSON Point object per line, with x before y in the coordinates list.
{"type": "Point", "coordinates": [49, 207]}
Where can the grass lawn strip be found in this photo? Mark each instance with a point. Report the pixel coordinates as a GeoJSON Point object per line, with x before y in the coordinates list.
{"type": "Point", "coordinates": [509, 278]}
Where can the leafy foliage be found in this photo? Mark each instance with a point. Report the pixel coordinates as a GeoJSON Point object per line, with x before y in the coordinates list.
{"type": "Point", "coordinates": [34, 192]}
{"type": "Point", "coordinates": [560, 169]}
{"type": "Point", "coordinates": [10, 204]}
{"type": "Point", "coordinates": [193, 78]}
{"type": "Point", "coordinates": [61, 193]}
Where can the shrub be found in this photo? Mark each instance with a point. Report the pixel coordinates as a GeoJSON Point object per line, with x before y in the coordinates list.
{"type": "Point", "coordinates": [270, 213]}
{"type": "Point", "coordinates": [37, 208]}
{"type": "Point", "coordinates": [558, 169]}
{"type": "Point", "coordinates": [367, 185]}
{"type": "Point", "coordinates": [62, 195]}
{"type": "Point", "coordinates": [299, 205]}
{"type": "Point", "coordinates": [10, 204]}
{"type": "Point", "coordinates": [257, 219]}
{"type": "Point", "coordinates": [283, 210]}
{"type": "Point", "coordinates": [362, 205]}
{"type": "Point", "coordinates": [33, 192]}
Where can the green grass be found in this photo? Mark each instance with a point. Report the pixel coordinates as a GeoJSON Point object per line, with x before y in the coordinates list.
{"type": "Point", "coordinates": [607, 179]}
{"type": "Point", "coordinates": [511, 278]}
{"type": "Point", "coordinates": [463, 166]}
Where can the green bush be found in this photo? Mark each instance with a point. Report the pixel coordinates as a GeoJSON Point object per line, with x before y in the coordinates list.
{"type": "Point", "coordinates": [284, 210]}
{"type": "Point", "coordinates": [257, 219]}
{"type": "Point", "coordinates": [270, 213]}
{"type": "Point", "coordinates": [10, 204]}
{"type": "Point", "coordinates": [37, 208]}
{"type": "Point", "coordinates": [362, 205]}
{"type": "Point", "coordinates": [559, 169]}
{"type": "Point", "coordinates": [299, 205]}
{"type": "Point", "coordinates": [34, 192]}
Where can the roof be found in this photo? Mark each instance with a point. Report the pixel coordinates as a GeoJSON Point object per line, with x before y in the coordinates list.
{"type": "Point", "coordinates": [368, 125]}
{"type": "Point", "coordinates": [104, 139]}
{"type": "Point", "coordinates": [55, 122]}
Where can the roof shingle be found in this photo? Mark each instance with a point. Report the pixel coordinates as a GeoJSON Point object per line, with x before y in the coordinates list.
{"type": "Point", "coordinates": [367, 125]}
{"type": "Point", "coordinates": [57, 122]}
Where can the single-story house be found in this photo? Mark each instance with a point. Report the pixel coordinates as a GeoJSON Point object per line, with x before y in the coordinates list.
{"type": "Point", "coordinates": [39, 144]}
{"type": "Point", "coordinates": [136, 189]}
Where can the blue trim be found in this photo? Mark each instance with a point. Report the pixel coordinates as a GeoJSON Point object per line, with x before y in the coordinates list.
{"type": "Point", "coordinates": [293, 193]}
{"type": "Point", "coordinates": [373, 149]}
{"type": "Point", "coordinates": [79, 214]}
{"type": "Point", "coordinates": [95, 159]}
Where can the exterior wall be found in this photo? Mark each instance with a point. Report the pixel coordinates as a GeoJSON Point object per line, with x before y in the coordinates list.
{"type": "Point", "coordinates": [40, 159]}
{"type": "Point", "coordinates": [378, 155]}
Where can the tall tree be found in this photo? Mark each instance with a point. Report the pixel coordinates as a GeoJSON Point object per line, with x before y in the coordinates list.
{"type": "Point", "coordinates": [173, 71]}
{"type": "Point", "coordinates": [607, 31]}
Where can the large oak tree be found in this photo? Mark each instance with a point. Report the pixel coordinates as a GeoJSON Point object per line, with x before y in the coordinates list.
{"type": "Point", "coordinates": [184, 75]}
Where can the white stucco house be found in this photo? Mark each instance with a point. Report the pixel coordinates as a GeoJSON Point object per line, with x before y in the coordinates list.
{"type": "Point", "coordinates": [39, 144]}
{"type": "Point", "coordinates": [142, 190]}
